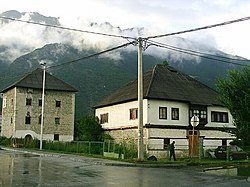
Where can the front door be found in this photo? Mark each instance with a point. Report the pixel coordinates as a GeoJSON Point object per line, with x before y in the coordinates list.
{"type": "Point", "coordinates": [193, 143]}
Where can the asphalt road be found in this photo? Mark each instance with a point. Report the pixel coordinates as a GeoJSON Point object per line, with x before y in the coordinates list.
{"type": "Point", "coordinates": [26, 169]}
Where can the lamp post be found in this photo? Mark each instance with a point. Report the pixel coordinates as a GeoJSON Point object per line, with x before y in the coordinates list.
{"type": "Point", "coordinates": [42, 116]}
{"type": "Point", "coordinates": [194, 122]}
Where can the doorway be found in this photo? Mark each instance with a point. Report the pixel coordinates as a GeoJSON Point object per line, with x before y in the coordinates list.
{"type": "Point", "coordinates": [193, 142]}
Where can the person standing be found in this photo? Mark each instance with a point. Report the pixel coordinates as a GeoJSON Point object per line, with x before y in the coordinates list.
{"type": "Point", "coordinates": [172, 151]}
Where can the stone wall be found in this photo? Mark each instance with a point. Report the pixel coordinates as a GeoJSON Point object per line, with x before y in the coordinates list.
{"type": "Point", "coordinates": [65, 113]}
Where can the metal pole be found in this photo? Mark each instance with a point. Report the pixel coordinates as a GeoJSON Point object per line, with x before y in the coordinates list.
{"type": "Point", "coordinates": [193, 143]}
{"type": "Point", "coordinates": [140, 102]}
{"type": "Point", "coordinates": [43, 93]}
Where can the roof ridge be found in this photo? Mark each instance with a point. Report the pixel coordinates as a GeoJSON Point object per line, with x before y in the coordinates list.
{"type": "Point", "coordinates": [151, 80]}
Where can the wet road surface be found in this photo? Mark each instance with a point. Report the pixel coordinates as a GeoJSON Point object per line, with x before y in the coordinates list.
{"type": "Point", "coordinates": [25, 169]}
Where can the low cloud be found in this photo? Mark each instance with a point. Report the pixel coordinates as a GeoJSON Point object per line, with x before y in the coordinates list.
{"type": "Point", "coordinates": [20, 38]}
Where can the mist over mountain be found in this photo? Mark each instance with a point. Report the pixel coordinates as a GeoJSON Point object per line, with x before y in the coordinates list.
{"type": "Point", "coordinates": [25, 45]}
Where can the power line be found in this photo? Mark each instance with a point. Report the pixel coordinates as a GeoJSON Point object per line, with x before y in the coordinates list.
{"type": "Point", "coordinates": [201, 28]}
{"type": "Point", "coordinates": [195, 54]}
{"type": "Point", "coordinates": [67, 28]}
{"type": "Point", "coordinates": [92, 55]}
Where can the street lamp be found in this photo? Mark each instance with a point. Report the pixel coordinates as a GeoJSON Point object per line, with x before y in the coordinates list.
{"type": "Point", "coordinates": [194, 122]}
{"type": "Point", "coordinates": [42, 120]}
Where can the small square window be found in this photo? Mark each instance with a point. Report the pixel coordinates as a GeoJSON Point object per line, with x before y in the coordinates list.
{"type": "Point", "coordinates": [28, 101]}
{"type": "Point", "coordinates": [58, 103]}
{"type": "Point", "coordinates": [104, 118]}
{"type": "Point", "coordinates": [57, 121]}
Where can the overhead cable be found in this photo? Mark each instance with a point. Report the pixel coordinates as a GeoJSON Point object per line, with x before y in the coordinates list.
{"type": "Point", "coordinates": [92, 55]}
{"type": "Point", "coordinates": [201, 28]}
{"type": "Point", "coordinates": [66, 28]}
{"type": "Point", "coordinates": [195, 54]}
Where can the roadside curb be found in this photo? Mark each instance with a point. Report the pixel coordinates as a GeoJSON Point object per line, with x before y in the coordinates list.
{"type": "Point", "coordinates": [94, 161]}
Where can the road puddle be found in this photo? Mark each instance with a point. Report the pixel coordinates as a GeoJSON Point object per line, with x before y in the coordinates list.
{"type": "Point", "coordinates": [229, 171]}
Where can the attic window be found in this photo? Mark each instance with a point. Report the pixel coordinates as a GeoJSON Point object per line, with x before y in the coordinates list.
{"type": "Point", "coordinates": [104, 118]}
{"type": "Point", "coordinates": [133, 113]}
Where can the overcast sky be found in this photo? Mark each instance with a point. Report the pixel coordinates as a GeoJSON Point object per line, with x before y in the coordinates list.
{"type": "Point", "coordinates": [158, 16]}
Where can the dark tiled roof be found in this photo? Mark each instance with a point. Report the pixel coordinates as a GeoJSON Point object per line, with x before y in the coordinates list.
{"type": "Point", "coordinates": [166, 83]}
{"type": "Point", "coordinates": [35, 80]}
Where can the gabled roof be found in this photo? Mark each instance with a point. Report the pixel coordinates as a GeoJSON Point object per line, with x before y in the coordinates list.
{"type": "Point", "coordinates": [35, 80]}
{"type": "Point", "coordinates": [165, 83]}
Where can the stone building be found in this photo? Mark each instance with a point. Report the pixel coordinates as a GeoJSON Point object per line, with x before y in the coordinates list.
{"type": "Point", "coordinates": [22, 108]}
{"type": "Point", "coordinates": [170, 100]}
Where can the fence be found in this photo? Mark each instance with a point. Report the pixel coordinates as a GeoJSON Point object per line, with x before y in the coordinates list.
{"type": "Point", "coordinates": [106, 148]}
{"type": "Point", "coordinates": [129, 150]}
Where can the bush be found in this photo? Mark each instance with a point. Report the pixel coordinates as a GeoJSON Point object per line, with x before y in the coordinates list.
{"type": "Point", "coordinates": [5, 141]}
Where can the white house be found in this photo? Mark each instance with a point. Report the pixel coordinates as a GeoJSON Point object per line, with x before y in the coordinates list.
{"type": "Point", "coordinates": [170, 99]}
{"type": "Point", "coordinates": [22, 108]}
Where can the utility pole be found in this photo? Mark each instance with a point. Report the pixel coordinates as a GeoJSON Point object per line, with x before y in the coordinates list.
{"type": "Point", "coordinates": [42, 116]}
{"type": "Point", "coordinates": [140, 102]}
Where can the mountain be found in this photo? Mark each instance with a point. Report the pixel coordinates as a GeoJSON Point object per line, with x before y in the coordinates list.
{"type": "Point", "coordinates": [96, 77]}
{"type": "Point", "coordinates": [31, 16]}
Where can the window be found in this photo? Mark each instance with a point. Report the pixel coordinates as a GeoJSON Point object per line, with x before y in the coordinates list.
{"type": "Point", "coordinates": [58, 103]}
{"type": "Point", "coordinates": [40, 119]}
{"type": "Point", "coordinates": [166, 142]}
{"type": "Point", "coordinates": [57, 121]}
{"type": "Point", "coordinates": [162, 112]}
{"type": "Point", "coordinates": [224, 142]}
{"type": "Point", "coordinates": [4, 102]}
{"type": "Point", "coordinates": [40, 102]}
{"type": "Point", "coordinates": [56, 137]}
{"type": "Point", "coordinates": [200, 112]}
{"type": "Point", "coordinates": [175, 113]}
{"type": "Point", "coordinates": [104, 118]}
{"type": "Point", "coordinates": [133, 113]}
{"type": "Point", "coordinates": [28, 101]}
{"type": "Point", "coordinates": [221, 117]}
{"type": "Point", "coordinates": [27, 118]}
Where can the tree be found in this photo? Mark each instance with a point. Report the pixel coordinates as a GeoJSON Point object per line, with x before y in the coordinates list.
{"type": "Point", "coordinates": [88, 128]}
{"type": "Point", "coordinates": [234, 92]}
{"type": "Point", "coordinates": [166, 63]}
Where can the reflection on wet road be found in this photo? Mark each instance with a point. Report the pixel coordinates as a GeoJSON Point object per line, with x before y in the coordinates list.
{"type": "Point", "coordinates": [19, 169]}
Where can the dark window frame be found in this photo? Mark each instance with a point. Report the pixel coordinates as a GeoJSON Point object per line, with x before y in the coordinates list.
{"type": "Point", "coordinates": [28, 101]}
{"type": "Point", "coordinates": [57, 121]}
{"type": "Point", "coordinates": [175, 113]}
{"type": "Point", "coordinates": [200, 111]}
{"type": "Point", "coordinates": [163, 112]}
{"type": "Point", "coordinates": [56, 137]}
{"type": "Point", "coordinates": [219, 117]}
{"type": "Point", "coordinates": [40, 119]}
{"type": "Point", "coordinates": [58, 104]}
{"type": "Point", "coordinates": [133, 113]}
{"type": "Point", "coordinates": [104, 118]}
{"type": "Point", "coordinates": [40, 102]}
{"type": "Point", "coordinates": [27, 119]}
